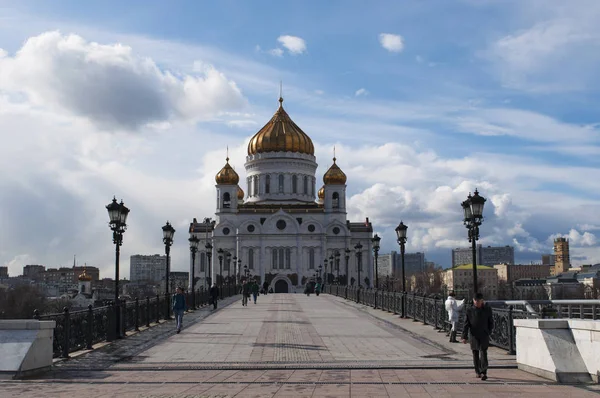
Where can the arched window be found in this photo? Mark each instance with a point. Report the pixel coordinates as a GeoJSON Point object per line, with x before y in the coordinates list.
{"type": "Point", "coordinates": [281, 259]}
{"type": "Point", "coordinates": [311, 258]}
{"type": "Point", "coordinates": [251, 258]}
{"type": "Point", "coordinates": [335, 200]}
{"type": "Point", "coordinates": [82, 288]}
{"type": "Point", "coordinates": [305, 185]}
{"type": "Point", "coordinates": [249, 180]}
{"type": "Point", "coordinates": [226, 200]}
{"type": "Point", "coordinates": [274, 260]}
{"type": "Point", "coordinates": [294, 183]}
{"type": "Point", "coordinates": [288, 259]}
{"type": "Point", "coordinates": [255, 185]}
{"type": "Point", "coordinates": [202, 261]}
{"type": "Point", "coordinates": [280, 183]}
{"type": "Point", "coordinates": [268, 184]}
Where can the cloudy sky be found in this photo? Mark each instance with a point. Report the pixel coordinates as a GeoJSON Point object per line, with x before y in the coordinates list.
{"type": "Point", "coordinates": [423, 100]}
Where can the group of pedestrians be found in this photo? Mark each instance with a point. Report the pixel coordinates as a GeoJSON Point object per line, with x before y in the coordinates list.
{"type": "Point", "coordinates": [250, 288]}
{"type": "Point", "coordinates": [477, 328]}
{"type": "Point", "coordinates": [308, 288]}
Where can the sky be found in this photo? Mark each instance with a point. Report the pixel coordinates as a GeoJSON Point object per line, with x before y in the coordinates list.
{"type": "Point", "coordinates": [424, 101]}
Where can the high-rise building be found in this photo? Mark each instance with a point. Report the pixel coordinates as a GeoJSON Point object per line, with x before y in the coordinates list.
{"type": "Point", "coordinates": [386, 264]}
{"type": "Point", "coordinates": [34, 272]}
{"type": "Point", "coordinates": [490, 255]}
{"type": "Point", "coordinates": [147, 269]}
{"type": "Point", "coordinates": [3, 272]}
{"type": "Point", "coordinates": [562, 260]}
{"type": "Point", "coordinates": [391, 264]}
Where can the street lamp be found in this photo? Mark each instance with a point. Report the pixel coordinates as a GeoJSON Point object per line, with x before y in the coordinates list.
{"type": "Point", "coordinates": [321, 269]}
{"type": "Point", "coordinates": [347, 257]}
{"type": "Point", "coordinates": [240, 267]}
{"type": "Point", "coordinates": [117, 214]}
{"type": "Point", "coordinates": [401, 235]}
{"type": "Point", "coordinates": [209, 248]}
{"type": "Point", "coordinates": [473, 213]}
{"type": "Point", "coordinates": [337, 265]}
{"type": "Point", "coordinates": [228, 257]}
{"type": "Point", "coordinates": [235, 271]}
{"type": "Point", "coordinates": [376, 239]}
{"type": "Point", "coordinates": [358, 249]}
{"type": "Point", "coordinates": [168, 232]}
{"type": "Point", "coordinates": [194, 244]}
{"type": "Point", "coordinates": [220, 277]}
{"type": "Point", "coordinates": [331, 266]}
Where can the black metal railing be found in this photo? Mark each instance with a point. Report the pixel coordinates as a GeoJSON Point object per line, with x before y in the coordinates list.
{"type": "Point", "coordinates": [432, 311]}
{"type": "Point", "coordinates": [81, 329]}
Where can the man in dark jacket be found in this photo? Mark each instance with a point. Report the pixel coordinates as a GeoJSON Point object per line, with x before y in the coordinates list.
{"type": "Point", "coordinates": [479, 325]}
{"type": "Point", "coordinates": [214, 295]}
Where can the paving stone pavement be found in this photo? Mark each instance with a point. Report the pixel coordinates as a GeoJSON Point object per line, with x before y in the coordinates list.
{"type": "Point", "coordinates": [288, 345]}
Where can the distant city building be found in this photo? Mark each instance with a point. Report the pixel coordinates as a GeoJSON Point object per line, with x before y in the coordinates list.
{"type": "Point", "coordinates": [149, 269]}
{"type": "Point", "coordinates": [460, 279]}
{"type": "Point", "coordinates": [511, 272]}
{"type": "Point", "coordinates": [562, 261]}
{"type": "Point", "coordinates": [35, 272]}
{"type": "Point", "coordinates": [548, 259]}
{"type": "Point", "coordinates": [391, 264]}
{"type": "Point", "coordinates": [490, 255]}
{"type": "Point", "coordinates": [3, 272]}
{"type": "Point", "coordinates": [178, 279]}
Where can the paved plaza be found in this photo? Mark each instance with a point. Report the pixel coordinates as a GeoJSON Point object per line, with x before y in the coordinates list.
{"type": "Point", "coordinates": [288, 345]}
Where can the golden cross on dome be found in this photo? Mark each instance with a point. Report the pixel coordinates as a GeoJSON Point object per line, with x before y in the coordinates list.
{"type": "Point", "coordinates": [280, 93]}
{"type": "Point", "coordinates": [334, 154]}
{"type": "Point", "coordinates": [227, 158]}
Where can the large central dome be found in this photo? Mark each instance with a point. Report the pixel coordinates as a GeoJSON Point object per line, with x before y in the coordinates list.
{"type": "Point", "coordinates": [281, 134]}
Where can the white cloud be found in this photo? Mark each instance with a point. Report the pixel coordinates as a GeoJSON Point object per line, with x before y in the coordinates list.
{"type": "Point", "coordinates": [276, 52]}
{"type": "Point", "coordinates": [361, 92]}
{"type": "Point", "coordinates": [110, 85]}
{"type": "Point", "coordinates": [576, 238]}
{"type": "Point", "coordinates": [319, 92]}
{"type": "Point", "coordinates": [391, 42]}
{"type": "Point", "coordinates": [294, 44]}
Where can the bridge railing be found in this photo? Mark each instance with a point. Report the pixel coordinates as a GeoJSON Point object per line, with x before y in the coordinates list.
{"type": "Point", "coordinates": [432, 311]}
{"type": "Point", "coordinates": [81, 329]}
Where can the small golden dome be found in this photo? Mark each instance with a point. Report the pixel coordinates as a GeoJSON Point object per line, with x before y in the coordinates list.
{"type": "Point", "coordinates": [321, 193]}
{"type": "Point", "coordinates": [227, 175]}
{"type": "Point", "coordinates": [281, 134]}
{"type": "Point", "coordinates": [240, 193]}
{"type": "Point", "coordinates": [84, 277]}
{"type": "Point", "coordinates": [334, 175]}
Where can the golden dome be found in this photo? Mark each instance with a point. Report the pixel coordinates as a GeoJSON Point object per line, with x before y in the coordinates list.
{"type": "Point", "coordinates": [321, 193]}
{"type": "Point", "coordinates": [281, 134]}
{"type": "Point", "coordinates": [334, 175]}
{"type": "Point", "coordinates": [227, 175]}
{"type": "Point", "coordinates": [84, 277]}
{"type": "Point", "coordinates": [240, 193]}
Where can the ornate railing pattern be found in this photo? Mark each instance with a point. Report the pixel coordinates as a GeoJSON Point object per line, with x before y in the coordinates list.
{"type": "Point", "coordinates": [432, 311]}
{"type": "Point", "coordinates": [81, 329]}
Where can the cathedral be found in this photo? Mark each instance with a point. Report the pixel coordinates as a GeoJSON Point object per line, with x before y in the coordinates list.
{"type": "Point", "coordinates": [282, 230]}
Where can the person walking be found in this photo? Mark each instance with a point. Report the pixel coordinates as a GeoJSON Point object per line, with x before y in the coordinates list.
{"type": "Point", "coordinates": [307, 289]}
{"type": "Point", "coordinates": [179, 307]}
{"type": "Point", "coordinates": [255, 291]}
{"type": "Point", "coordinates": [318, 289]}
{"type": "Point", "coordinates": [453, 308]}
{"type": "Point", "coordinates": [245, 292]}
{"type": "Point", "coordinates": [214, 295]}
{"type": "Point", "coordinates": [479, 325]}
{"type": "Point", "coordinates": [265, 287]}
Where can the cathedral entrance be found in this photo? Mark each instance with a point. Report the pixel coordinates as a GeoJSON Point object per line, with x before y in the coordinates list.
{"type": "Point", "coordinates": [281, 286]}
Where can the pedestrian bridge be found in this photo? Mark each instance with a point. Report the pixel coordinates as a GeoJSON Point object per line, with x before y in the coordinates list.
{"type": "Point", "coordinates": [287, 345]}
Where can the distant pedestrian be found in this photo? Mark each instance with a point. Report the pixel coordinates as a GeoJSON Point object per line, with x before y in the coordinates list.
{"type": "Point", "coordinates": [265, 287]}
{"type": "Point", "coordinates": [453, 308]}
{"type": "Point", "coordinates": [307, 289]}
{"type": "Point", "coordinates": [479, 325]}
{"type": "Point", "coordinates": [245, 292]}
{"type": "Point", "coordinates": [179, 307]}
{"type": "Point", "coordinates": [317, 289]}
{"type": "Point", "coordinates": [214, 295]}
{"type": "Point", "coordinates": [254, 291]}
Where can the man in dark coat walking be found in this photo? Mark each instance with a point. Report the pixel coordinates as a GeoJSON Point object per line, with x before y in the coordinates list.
{"type": "Point", "coordinates": [479, 325]}
{"type": "Point", "coordinates": [214, 295]}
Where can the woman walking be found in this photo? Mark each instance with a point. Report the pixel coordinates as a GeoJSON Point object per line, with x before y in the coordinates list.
{"type": "Point", "coordinates": [179, 307]}
{"type": "Point", "coordinates": [255, 291]}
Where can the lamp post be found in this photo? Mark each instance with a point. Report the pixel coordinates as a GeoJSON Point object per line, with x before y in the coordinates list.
{"type": "Point", "coordinates": [235, 271]}
{"type": "Point", "coordinates": [358, 249]}
{"type": "Point", "coordinates": [376, 240]}
{"type": "Point", "coordinates": [347, 257]}
{"type": "Point", "coordinates": [401, 235]}
{"type": "Point", "coordinates": [220, 277]}
{"type": "Point", "coordinates": [117, 214]}
{"type": "Point", "coordinates": [168, 232]}
{"type": "Point", "coordinates": [331, 266]}
{"type": "Point", "coordinates": [337, 265]}
{"type": "Point", "coordinates": [321, 269]}
{"type": "Point", "coordinates": [209, 248]}
{"type": "Point", "coordinates": [194, 244]}
{"type": "Point", "coordinates": [240, 267]}
{"type": "Point", "coordinates": [473, 217]}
